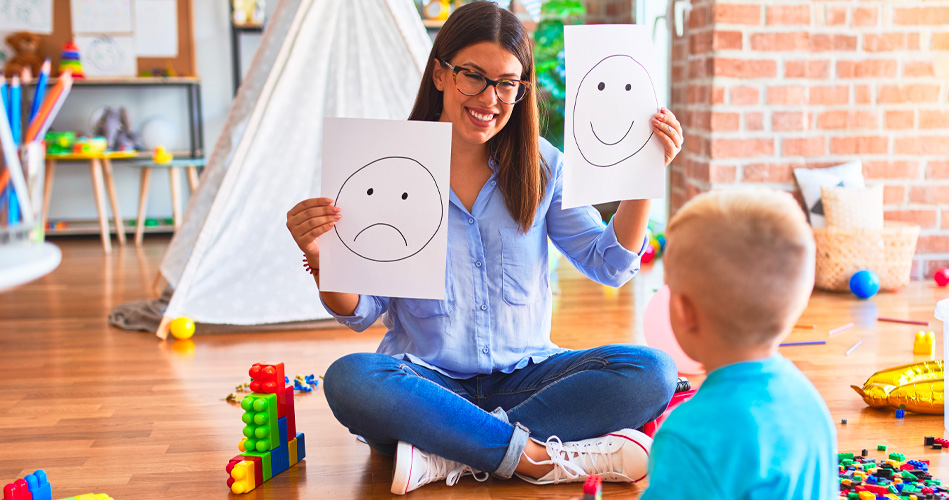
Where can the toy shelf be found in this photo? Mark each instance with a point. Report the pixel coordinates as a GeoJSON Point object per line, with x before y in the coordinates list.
{"type": "Point", "coordinates": [86, 227]}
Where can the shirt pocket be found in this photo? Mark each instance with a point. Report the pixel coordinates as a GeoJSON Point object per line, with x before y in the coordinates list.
{"type": "Point", "coordinates": [524, 273]}
{"type": "Point", "coordinates": [432, 308]}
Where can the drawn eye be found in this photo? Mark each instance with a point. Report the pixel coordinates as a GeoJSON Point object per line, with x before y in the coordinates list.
{"type": "Point", "coordinates": [369, 192]}
{"type": "Point", "coordinates": [628, 87]}
{"type": "Point", "coordinates": [405, 195]}
{"type": "Point", "coordinates": [601, 86]}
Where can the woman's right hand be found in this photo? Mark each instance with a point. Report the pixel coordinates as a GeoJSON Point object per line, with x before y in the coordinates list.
{"type": "Point", "coordinates": [309, 220]}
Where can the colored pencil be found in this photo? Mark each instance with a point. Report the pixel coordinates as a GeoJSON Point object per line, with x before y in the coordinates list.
{"type": "Point", "coordinates": [840, 329]}
{"type": "Point", "coordinates": [51, 104]}
{"type": "Point", "coordinates": [40, 89]}
{"type": "Point", "coordinates": [16, 110]}
{"type": "Point", "coordinates": [809, 342]}
{"type": "Point", "coordinates": [3, 93]}
{"type": "Point", "coordinates": [853, 348]}
{"type": "Point", "coordinates": [809, 327]}
{"type": "Point", "coordinates": [12, 159]}
{"type": "Point", "coordinates": [904, 321]}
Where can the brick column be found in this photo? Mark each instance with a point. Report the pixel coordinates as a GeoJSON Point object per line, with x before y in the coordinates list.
{"type": "Point", "coordinates": [764, 87]}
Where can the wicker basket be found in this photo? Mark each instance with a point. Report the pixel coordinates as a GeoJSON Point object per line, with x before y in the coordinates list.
{"type": "Point", "coordinates": [843, 251]}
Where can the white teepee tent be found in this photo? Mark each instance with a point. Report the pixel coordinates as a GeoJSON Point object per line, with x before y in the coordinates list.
{"type": "Point", "coordinates": [232, 261]}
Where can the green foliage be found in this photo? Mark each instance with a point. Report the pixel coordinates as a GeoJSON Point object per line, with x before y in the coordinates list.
{"type": "Point", "coordinates": [549, 63]}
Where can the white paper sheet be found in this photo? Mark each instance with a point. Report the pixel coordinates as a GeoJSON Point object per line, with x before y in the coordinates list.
{"type": "Point", "coordinates": [610, 151]}
{"type": "Point", "coordinates": [107, 55]}
{"type": "Point", "coordinates": [101, 16]}
{"type": "Point", "coordinates": [156, 28]}
{"type": "Point", "coordinates": [390, 180]}
{"type": "Point", "coordinates": [26, 15]}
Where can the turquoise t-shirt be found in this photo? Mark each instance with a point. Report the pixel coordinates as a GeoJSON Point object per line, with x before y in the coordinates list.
{"type": "Point", "coordinates": [756, 429]}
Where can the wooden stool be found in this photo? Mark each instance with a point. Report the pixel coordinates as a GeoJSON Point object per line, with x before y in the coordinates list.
{"type": "Point", "coordinates": [174, 175]}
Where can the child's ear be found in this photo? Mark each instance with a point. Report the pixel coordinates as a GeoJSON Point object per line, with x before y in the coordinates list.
{"type": "Point", "coordinates": [438, 75]}
{"type": "Point", "coordinates": [682, 313]}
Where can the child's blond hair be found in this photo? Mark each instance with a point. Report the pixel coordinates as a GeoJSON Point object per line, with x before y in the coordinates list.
{"type": "Point", "coordinates": [746, 258]}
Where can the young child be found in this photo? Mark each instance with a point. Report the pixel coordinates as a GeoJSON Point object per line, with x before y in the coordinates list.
{"type": "Point", "coordinates": [740, 268]}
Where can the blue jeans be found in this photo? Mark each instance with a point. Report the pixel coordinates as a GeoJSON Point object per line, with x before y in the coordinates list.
{"type": "Point", "coordinates": [485, 421]}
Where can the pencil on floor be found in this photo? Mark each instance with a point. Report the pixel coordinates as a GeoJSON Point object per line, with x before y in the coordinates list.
{"type": "Point", "coordinates": [853, 348]}
{"type": "Point", "coordinates": [809, 327]}
{"type": "Point", "coordinates": [840, 329]}
{"type": "Point", "coordinates": [809, 342]}
{"type": "Point", "coordinates": [904, 321]}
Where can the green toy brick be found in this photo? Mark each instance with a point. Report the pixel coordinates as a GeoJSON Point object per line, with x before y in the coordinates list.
{"type": "Point", "coordinates": [266, 466]}
{"type": "Point", "coordinates": [881, 447]}
{"type": "Point", "coordinates": [260, 417]}
{"type": "Point", "coordinates": [842, 456]}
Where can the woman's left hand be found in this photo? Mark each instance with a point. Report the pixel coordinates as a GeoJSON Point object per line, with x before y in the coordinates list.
{"type": "Point", "coordinates": [667, 128]}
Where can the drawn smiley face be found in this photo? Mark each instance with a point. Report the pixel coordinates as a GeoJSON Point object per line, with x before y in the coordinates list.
{"type": "Point", "coordinates": [393, 209]}
{"type": "Point", "coordinates": [612, 110]}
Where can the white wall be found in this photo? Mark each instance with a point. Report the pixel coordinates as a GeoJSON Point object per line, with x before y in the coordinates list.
{"type": "Point", "coordinates": [72, 188]}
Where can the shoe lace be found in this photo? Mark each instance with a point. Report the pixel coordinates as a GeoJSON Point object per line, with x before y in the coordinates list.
{"type": "Point", "coordinates": [452, 471]}
{"type": "Point", "coordinates": [573, 460]}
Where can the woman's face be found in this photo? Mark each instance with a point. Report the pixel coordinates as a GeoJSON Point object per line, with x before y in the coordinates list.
{"type": "Point", "coordinates": [476, 119]}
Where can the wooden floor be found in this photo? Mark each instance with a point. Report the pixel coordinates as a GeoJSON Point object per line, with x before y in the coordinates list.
{"type": "Point", "coordinates": [109, 411]}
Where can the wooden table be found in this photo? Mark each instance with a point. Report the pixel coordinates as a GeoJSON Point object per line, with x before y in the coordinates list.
{"type": "Point", "coordinates": [100, 169]}
{"type": "Point", "coordinates": [191, 167]}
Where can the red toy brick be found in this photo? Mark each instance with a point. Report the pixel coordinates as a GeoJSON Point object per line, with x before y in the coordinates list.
{"type": "Point", "coordinates": [269, 378]}
{"type": "Point", "coordinates": [291, 414]}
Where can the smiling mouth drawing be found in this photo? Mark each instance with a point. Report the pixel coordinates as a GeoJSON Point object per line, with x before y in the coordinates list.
{"type": "Point", "coordinates": [612, 143]}
{"type": "Point", "coordinates": [383, 224]}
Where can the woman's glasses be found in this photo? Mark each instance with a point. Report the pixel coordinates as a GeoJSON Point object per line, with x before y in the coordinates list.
{"type": "Point", "coordinates": [472, 83]}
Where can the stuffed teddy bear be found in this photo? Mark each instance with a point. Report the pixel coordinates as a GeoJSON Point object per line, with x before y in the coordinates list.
{"type": "Point", "coordinates": [26, 47]}
{"type": "Point", "coordinates": [114, 125]}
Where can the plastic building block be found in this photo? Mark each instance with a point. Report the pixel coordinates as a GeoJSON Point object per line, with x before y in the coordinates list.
{"type": "Point", "coordinates": [17, 490]}
{"type": "Point", "coordinates": [282, 429]}
{"type": "Point", "coordinates": [843, 421]}
{"type": "Point", "coordinates": [39, 485]}
{"type": "Point", "coordinates": [593, 488]}
{"type": "Point", "coordinates": [266, 467]}
{"type": "Point", "coordinates": [258, 468]}
{"type": "Point", "coordinates": [928, 440]}
{"type": "Point", "coordinates": [291, 414]}
{"type": "Point", "coordinates": [280, 457]}
{"type": "Point", "coordinates": [924, 343]}
{"type": "Point", "coordinates": [900, 413]}
{"type": "Point", "coordinates": [269, 379]}
{"type": "Point", "coordinates": [242, 474]}
{"type": "Point", "coordinates": [301, 447]}
{"type": "Point", "coordinates": [881, 447]}
{"type": "Point", "coordinates": [260, 417]}
{"type": "Point", "coordinates": [94, 496]}
{"type": "Point", "coordinates": [292, 445]}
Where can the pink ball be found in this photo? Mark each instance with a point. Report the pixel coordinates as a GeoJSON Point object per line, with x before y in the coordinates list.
{"type": "Point", "coordinates": [658, 332]}
{"type": "Point", "coordinates": [942, 276]}
{"type": "Point", "coordinates": [648, 254]}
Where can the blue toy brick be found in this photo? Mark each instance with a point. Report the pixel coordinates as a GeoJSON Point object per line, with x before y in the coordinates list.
{"type": "Point", "coordinates": [900, 413]}
{"type": "Point", "coordinates": [301, 447]}
{"type": "Point", "coordinates": [282, 426]}
{"type": "Point", "coordinates": [280, 459]}
{"type": "Point", "coordinates": [39, 486]}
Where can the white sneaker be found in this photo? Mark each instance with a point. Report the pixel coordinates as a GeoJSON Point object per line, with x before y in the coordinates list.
{"type": "Point", "coordinates": [415, 468]}
{"type": "Point", "coordinates": [620, 456]}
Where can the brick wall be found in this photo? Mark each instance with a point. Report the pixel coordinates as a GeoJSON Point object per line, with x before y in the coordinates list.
{"type": "Point", "coordinates": [608, 11]}
{"type": "Point", "coordinates": [763, 87]}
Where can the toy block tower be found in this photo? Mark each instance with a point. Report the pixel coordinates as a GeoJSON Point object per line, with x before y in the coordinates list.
{"type": "Point", "coordinates": [271, 443]}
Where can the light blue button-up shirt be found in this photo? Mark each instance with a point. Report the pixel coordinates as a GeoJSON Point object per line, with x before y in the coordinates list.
{"type": "Point", "coordinates": [497, 308]}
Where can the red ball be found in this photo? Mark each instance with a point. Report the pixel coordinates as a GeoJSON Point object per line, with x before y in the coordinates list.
{"type": "Point", "coordinates": [648, 254]}
{"type": "Point", "coordinates": [942, 276]}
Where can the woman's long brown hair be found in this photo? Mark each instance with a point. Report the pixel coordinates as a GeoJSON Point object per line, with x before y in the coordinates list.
{"type": "Point", "coordinates": [522, 172]}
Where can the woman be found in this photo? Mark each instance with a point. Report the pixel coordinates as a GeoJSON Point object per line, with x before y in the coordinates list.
{"type": "Point", "coordinates": [473, 383]}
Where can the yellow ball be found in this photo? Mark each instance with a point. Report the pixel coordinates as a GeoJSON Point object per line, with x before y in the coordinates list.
{"type": "Point", "coordinates": [182, 328]}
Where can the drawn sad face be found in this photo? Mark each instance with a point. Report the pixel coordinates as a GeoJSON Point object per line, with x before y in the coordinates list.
{"type": "Point", "coordinates": [611, 114]}
{"type": "Point", "coordinates": [392, 207]}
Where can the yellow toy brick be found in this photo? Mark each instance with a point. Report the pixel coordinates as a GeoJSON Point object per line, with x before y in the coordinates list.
{"type": "Point", "coordinates": [93, 496]}
{"type": "Point", "coordinates": [924, 343]}
{"type": "Point", "coordinates": [866, 495]}
{"type": "Point", "coordinates": [243, 475]}
{"type": "Point", "coordinates": [293, 451]}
